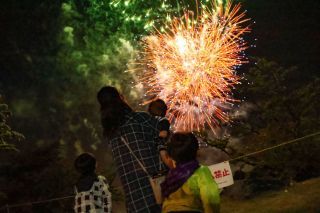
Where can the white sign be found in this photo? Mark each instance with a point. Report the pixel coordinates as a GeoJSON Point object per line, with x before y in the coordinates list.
{"type": "Point", "coordinates": [222, 174]}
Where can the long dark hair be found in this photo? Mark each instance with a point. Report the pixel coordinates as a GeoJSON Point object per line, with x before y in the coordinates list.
{"type": "Point", "coordinates": [113, 109]}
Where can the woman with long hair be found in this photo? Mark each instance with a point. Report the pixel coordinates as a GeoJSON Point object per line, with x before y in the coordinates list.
{"type": "Point", "coordinates": [124, 127]}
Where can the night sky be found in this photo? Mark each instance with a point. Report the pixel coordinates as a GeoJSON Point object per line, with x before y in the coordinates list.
{"type": "Point", "coordinates": [287, 31]}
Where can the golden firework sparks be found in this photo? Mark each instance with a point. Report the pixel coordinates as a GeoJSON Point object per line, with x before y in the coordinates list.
{"type": "Point", "coordinates": [192, 65]}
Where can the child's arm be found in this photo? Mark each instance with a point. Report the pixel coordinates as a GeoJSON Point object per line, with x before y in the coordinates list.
{"type": "Point", "coordinates": [164, 128]}
{"type": "Point", "coordinates": [166, 159]}
{"type": "Point", "coordinates": [163, 134]}
{"type": "Point", "coordinates": [209, 192]}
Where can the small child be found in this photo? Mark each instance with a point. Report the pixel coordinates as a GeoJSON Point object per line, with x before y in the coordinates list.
{"type": "Point", "coordinates": [92, 191]}
{"type": "Point", "coordinates": [158, 108]}
{"type": "Point", "coordinates": [188, 187]}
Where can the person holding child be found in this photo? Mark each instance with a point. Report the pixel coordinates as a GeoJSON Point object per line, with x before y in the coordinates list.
{"type": "Point", "coordinates": [188, 187]}
{"type": "Point", "coordinates": [92, 191]}
{"type": "Point", "coordinates": [134, 138]}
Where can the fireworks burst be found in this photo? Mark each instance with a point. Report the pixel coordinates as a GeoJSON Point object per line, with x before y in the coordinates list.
{"type": "Point", "coordinates": [192, 65]}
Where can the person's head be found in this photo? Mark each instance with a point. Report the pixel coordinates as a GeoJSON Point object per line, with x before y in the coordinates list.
{"type": "Point", "coordinates": [85, 163]}
{"type": "Point", "coordinates": [113, 109]}
{"type": "Point", "coordinates": [158, 108]}
{"type": "Point", "coordinates": [183, 147]}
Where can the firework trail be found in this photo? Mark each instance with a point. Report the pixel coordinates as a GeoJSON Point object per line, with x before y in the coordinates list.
{"type": "Point", "coordinates": [192, 65]}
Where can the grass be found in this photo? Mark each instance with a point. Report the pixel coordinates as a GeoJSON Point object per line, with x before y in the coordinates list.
{"type": "Point", "coordinates": [303, 197]}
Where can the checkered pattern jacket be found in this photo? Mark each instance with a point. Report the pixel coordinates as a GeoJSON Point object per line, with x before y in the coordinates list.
{"type": "Point", "coordinates": [95, 200]}
{"type": "Point", "coordinates": [142, 135]}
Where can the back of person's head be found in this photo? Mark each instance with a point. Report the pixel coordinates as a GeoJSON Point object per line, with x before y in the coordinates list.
{"type": "Point", "coordinates": [113, 109]}
{"type": "Point", "coordinates": [85, 163]}
{"type": "Point", "coordinates": [183, 147]}
{"type": "Point", "coordinates": [107, 95]}
{"type": "Point", "coordinates": [158, 108]}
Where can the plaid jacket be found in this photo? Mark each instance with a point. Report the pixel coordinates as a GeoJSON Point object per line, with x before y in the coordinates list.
{"type": "Point", "coordinates": [95, 200]}
{"type": "Point", "coordinates": [142, 135]}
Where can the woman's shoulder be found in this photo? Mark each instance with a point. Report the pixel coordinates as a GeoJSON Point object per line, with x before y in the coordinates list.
{"type": "Point", "coordinates": [138, 117]}
{"type": "Point", "coordinates": [142, 117]}
{"type": "Point", "coordinates": [142, 114]}
{"type": "Point", "coordinates": [138, 120]}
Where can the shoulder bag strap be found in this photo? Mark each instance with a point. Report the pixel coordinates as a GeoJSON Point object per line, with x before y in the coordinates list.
{"type": "Point", "coordinates": [140, 163]}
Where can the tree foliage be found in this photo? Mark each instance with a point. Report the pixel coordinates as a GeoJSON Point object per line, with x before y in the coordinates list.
{"type": "Point", "coordinates": [277, 109]}
{"type": "Point", "coordinates": [7, 134]}
{"type": "Point", "coordinates": [80, 46]}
